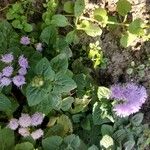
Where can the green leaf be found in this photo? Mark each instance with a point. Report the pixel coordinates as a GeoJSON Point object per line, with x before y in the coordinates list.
{"type": "Point", "coordinates": [63, 83]}
{"type": "Point", "coordinates": [129, 145]}
{"type": "Point", "coordinates": [73, 141]}
{"type": "Point", "coordinates": [28, 27]}
{"type": "Point", "coordinates": [72, 37]}
{"type": "Point", "coordinates": [96, 114]}
{"type": "Point", "coordinates": [51, 101]}
{"type": "Point", "coordinates": [79, 7]}
{"type": "Point", "coordinates": [5, 104]}
{"type": "Point", "coordinates": [49, 35]}
{"type": "Point", "coordinates": [60, 63]}
{"type": "Point", "coordinates": [44, 69]}
{"type": "Point", "coordinates": [107, 129]}
{"type": "Point", "coordinates": [17, 24]}
{"type": "Point", "coordinates": [66, 123]}
{"type": "Point", "coordinates": [135, 27]}
{"type": "Point", "coordinates": [100, 14]}
{"type": "Point", "coordinates": [7, 139]}
{"type": "Point", "coordinates": [60, 20]}
{"type": "Point", "coordinates": [106, 141]}
{"type": "Point", "coordinates": [103, 92]}
{"type": "Point", "coordinates": [120, 135]}
{"type": "Point", "coordinates": [137, 119]}
{"type": "Point", "coordinates": [93, 147]}
{"type": "Point", "coordinates": [24, 146]}
{"type": "Point", "coordinates": [127, 39]}
{"type": "Point", "coordinates": [90, 29]}
{"type": "Point", "coordinates": [123, 7]}
{"type": "Point", "coordinates": [66, 103]}
{"type": "Point", "coordinates": [35, 95]}
{"type": "Point", "coordinates": [52, 143]}
{"type": "Point", "coordinates": [69, 7]}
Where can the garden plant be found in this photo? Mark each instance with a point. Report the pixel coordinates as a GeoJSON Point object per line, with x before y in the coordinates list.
{"type": "Point", "coordinates": [59, 88]}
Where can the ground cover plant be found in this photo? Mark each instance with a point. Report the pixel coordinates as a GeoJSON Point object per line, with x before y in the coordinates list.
{"type": "Point", "coordinates": [61, 87]}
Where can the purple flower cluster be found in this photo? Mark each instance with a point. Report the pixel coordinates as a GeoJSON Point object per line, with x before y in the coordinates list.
{"type": "Point", "coordinates": [25, 122]}
{"type": "Point", "coordinates": [6, 74]}
{"type": "Point", "coordinates": [25, 40]}
{"type": "Point", "coordinates": [129, 97]}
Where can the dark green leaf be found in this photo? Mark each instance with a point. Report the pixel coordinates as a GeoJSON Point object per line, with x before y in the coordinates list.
{"type": "Point", "coordinates": [137, 119]}
{"type": "Point", "coordinates": [52, 143]}
{"type": "Point", "coordinates": [44, 69]}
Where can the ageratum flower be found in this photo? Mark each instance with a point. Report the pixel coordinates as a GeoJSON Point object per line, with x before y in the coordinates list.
{"type": "Point", "coordinates": [23, 62]}
{"type": "Point", "coordinates": [39, 47]}
{"type": "Point", "coordinates": [19, 80]}
{"type": "Point", "coordinates": [24, 132]}
{"type": "Point", "coordinates": [130, 98]}
{"type": "Point", "coordinates": [25, 40]}
{"type": "Point", "coordinates": [13, 124]}
{"type": "Point", "coordinates": [37, 119]}
{"type": "Point", "coordinates": [4, 81]}
{"type": "Point", "coordinates": [7, 71]}
{"type": "Point", "coordinates": [7, 58]}
{"type": "Point", "coordinates": [37, 134]}
{"type": "Point", "coordinates": [24, 120]}
{"type": "Point", "coordinates": [22, 71]}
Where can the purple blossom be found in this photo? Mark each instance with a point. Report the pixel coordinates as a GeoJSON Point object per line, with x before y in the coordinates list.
{"type": "Point", "coordinates": [23, 62]}
{"type": "Point", "coordinates": [24, 132]}
{"type": "Point", "coordinates": [19, 80]}
{"type": "Point", "coordinates": [7, 58]}
{"type": "Point", "coordinates": [7, 71]}
{"type": "Point", "coordinates": [37, 119]}
{"type": "Point", "coordinates": [25, 40]}
{"type": "Point", "coordinates": [37, 134]}
{"type": "Point", "coordinates": [13, 124]}
{"type": "Point", "coordinates": [24, 120]}
{"type": "Point", "coordinates": [131, 97]}
{"type": "Point", "coordinates": [22, 71]}
{"type": "Point", "coordinates": [4, 81]}
{"type": "Point", "coordinates": [39, 47]}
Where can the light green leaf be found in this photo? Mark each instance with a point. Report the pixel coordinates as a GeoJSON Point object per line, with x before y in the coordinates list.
{"type": "Point", "coordinates": [17, 24]}
{"type": "Point", "coordinates": [69, 7]}
{"type": "Point", "coordinates": [60, 63]}
{"type": "Point", "coordinates": [127, 39]}
{"type": "Point", "coordinates": [123, 7]}
{"type": "Point", "coordinates": [100, 14]}
{"type": "Point", "coordinates": [91, 29]}
{"type": "Point", "coordinates": [24, 146]}
{"type": "Point", "coordinates": [135, 27]}
{"type": "Point", "coordinates": [52, 143]}
{"type": "Point", "coordinates": [63, 83]}
{"type": "Point", "coordinates": [129, 145]}
{"type": "Point", "coordinates": [59, 20]}
{"type": "Point", "coordinates": [103, 92]}
{"type": "Point", "coordinates": [66, 123]}
{"type": "Point", "coordinates": [106, 141]}
{"type": "Point", "coordinates": [79, 7]}
{"type": "Point", "coordinates": [66, 103]}
{"type": "Point", "coordinates": [28, 27]}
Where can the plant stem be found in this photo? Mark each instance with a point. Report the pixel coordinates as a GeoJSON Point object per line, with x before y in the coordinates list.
{"type": "Point", "coordinates": [5, 7]}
